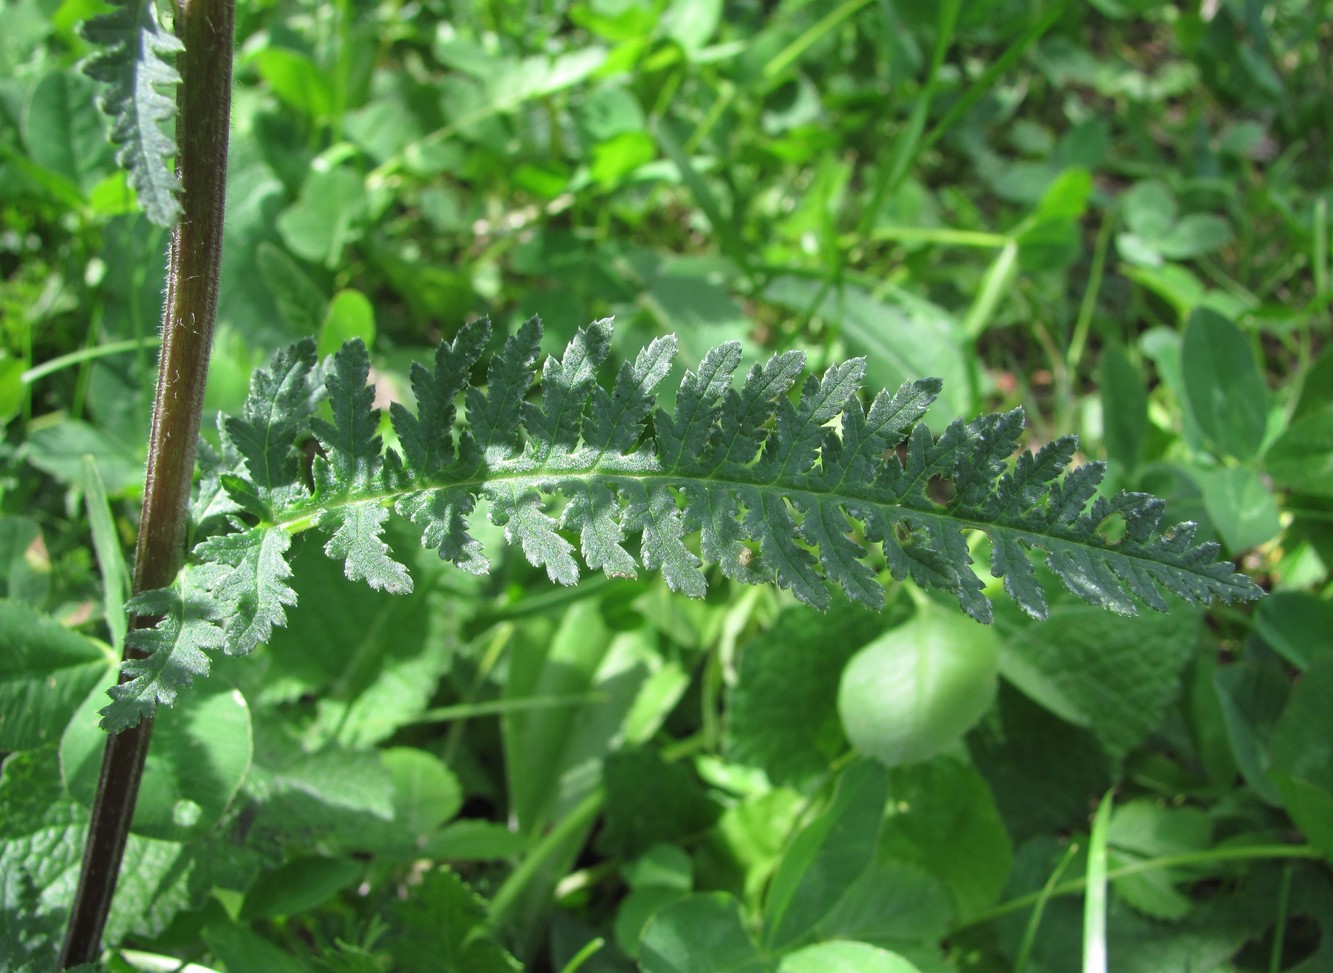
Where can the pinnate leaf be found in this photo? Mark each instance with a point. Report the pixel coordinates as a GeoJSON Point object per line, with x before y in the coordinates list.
{"type": "Point", "coordinates": [255, 591]}
{"type": "Point", "coordinates": [809, 491]}
{"type": "Point", "coordinates": [176, 648]}
{"type": "Point", "coordinates": [426, 437]}
{"type": "Point", "coordinates": [352, 448]}
{"type": "Point", "coordinates": [280, 398]}
{"type": "Point", "coordinates": [131, 60]}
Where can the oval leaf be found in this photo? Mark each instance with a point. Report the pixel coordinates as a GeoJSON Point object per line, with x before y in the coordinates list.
{"type": "Point", "coordinates": [915, 691]}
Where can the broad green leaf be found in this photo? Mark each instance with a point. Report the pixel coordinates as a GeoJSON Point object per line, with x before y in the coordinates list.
{"type": "Point", "coordinates": [297, 80]}
{"type": "Point", "coordinates": [1317, 389]}
{"type": "Point", "coordinates": [826, 857]}
{"type": "Point", "coordinates": [372, 663]}
{"type": "Point", "coordinates": [1143, 829]}
{"type": "Point", "coordinates": [687, 296]}
{"type": "Point", "coordinates": [701, 934]}
{"type": "Point", "coordinates": [301, 302]}
{"type": "Point", "coordinates": [1177, 285]}
{"type": "Point", "coordinates": [621, 155]}
{"type": "Point", "coordinates": [1016, 746]}
{"type": "Point", "coordinates": [1163, 347]}
{"type": "Point", "coordinates": [1134, 249]}
{"type": "Point", "coordinates": [833, 883]}
{"type": "Point", "coordinates": [385, 126]}
{"type": "Point", "coordinates": [1225, 392]}
{"type": "Point", "coordinates": [661, 866]}
{"type": "Point", "coordinates": [1296, 624]}
{"type": "Point", "coordinates": [13, 389]}
{"type": "Point", "coordinates": [41, 836]}
{"type": "Point", "coordinates": [662, 875]}
{"type": "Point", "coordinates": [1195, 235]}
{"type": "Point", "coordinates": [1067, 197]}
{"type": "Point", "coordinates": [350, 315]}
{"type": "Point", "coordinates": [830, 885]}
{"type": "Point", "coordinates": [25, 567]}
{"type": "Point", "coordinates": [473, 840]}
{"type": "Point", "coordinates": [1118, 680]}
{"type": "Point", "coordinates": [913, 692]}
{"type": "Point", "coordinates": [1149, 209]}
{"type": "Point", "coordinates": [327, 217]}
{"type": "Point", "coordinates": [943, 819]}
{"type": "Point", "coordinates": [794, 667]}
{"type": "Point", "coordinates": [200, 757]}
{"type": "Point", "coordinates": [59, 451]}
{"type": "Point", "coordinates": [510, 83]}
{"type": "Point", "coordinates": [1302, 457]}
{"type": "Point", "coordinates": [637, 909]}
{"type": "Point", "coordinates": [46, 672]}
{"type": "Point", "coordinates": [42, 832]}
{"type": "Point", "coordinates": [342, 800]}
{"type": "Point", "coordinates": [1253, 693]}
{"type": "Point", "coordinates": [441, 924]}
{"type": "Point", "coordinates": [649, 801]}
{"type": "Point", "coordinates": [1310, 806]}
{"type": "Point", "coordinates": [255, 197]}
{"type": "Point", "coordinates": [299, 885]}
{"type": "Point", "coordinates": [1124, 410]}
{"type": "Point", "coordinates": [1241, 507]}
{"type": "Point", "coordinates": [1302, 753]}
{"type": "Point", "coordinates": [240, 948]}
{"type": "Point", "coordinates": [425, 792]}
{"type": "Point", "coordinates": [608, 112]}
{"type": "Point", "coordinates": [691, 23]}
{"type": "Point", "coordinates": [844, 957]}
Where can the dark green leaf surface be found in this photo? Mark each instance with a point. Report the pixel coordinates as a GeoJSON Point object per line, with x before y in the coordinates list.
{"type": "Point", "coordinates": [1226, 393]}
{"type": "Point", "coordinates": [201, 753]}
{"type": "Point", "coordinates": [650, 801]}
{"type": "Point", "coordinates": [131, 58]}
{"type": "Point", "coordinates": [442, 925]}
{"type": "Point", "coordinates": [799, 490]}
{"type": "Point", "coordinates": [701, 934]}
{"type": "Point", "coordinates": [46, 671]}
{"type": "Point", "coordinates": [794, 668]}
{"type": "Point", "coordinates": [1118, 680]}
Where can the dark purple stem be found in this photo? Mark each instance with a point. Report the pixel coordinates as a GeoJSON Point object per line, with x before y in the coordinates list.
{"type": "Point", "coordinates": [204, 113]}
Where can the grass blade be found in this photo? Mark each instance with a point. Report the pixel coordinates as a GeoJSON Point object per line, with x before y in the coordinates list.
{"type": "Point", "coordinates": [110, 557]}
{"type": "Point", "coordinates": [1094, 899]}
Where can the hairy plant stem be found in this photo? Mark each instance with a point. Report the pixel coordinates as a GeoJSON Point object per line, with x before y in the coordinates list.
{"type": "Point", "coordinates": [203, 116]}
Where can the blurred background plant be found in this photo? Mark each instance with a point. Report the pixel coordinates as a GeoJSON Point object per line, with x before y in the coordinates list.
{"type": "Point", "coordinates": [1114, 214]}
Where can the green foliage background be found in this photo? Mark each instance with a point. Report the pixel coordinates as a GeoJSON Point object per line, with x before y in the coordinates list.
{"type": "Point", "coordinates": [1113, 214]}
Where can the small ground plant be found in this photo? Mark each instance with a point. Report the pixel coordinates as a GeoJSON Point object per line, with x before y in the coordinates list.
{"type": "Point", "coordinates": [880, 795]}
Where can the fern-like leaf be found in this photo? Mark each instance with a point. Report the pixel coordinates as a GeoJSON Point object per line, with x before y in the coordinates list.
{"type": "Point", "coordinates": [131, 59]}
{"type": "Point", "coordinates": [254, 591]}
{"type": "Point", "coordinates": [348, 477]}
{"type": "Point", "coordinates": [810, 491]}
{"type": "Point", "coordinates": [176, 647]}
{"type": "Point", "coordinates": [280, 401]}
